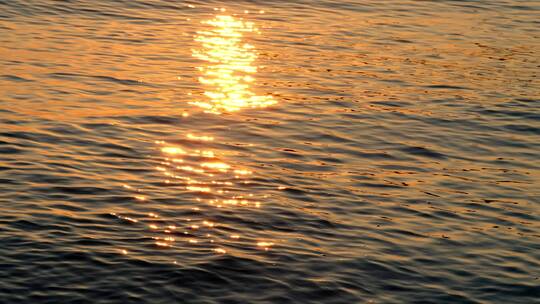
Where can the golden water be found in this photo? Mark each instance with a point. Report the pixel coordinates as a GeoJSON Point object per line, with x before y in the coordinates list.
{"type": "Point", "coordinates": [276, 152]}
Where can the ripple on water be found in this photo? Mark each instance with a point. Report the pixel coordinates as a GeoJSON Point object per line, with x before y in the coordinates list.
{"type": "Point", "coordinates": [308, 152]}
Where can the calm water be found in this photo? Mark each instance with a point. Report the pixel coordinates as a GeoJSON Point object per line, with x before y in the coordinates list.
{"type": "Point", "coordinates": [157, 151]}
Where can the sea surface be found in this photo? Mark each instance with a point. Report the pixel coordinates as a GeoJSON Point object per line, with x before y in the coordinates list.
{"type": "Point", "coordinates": [166, 151]}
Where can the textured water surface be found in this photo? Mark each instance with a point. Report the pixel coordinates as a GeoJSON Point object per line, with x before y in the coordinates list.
{"type": "Point", "coordinates": [158, 151]}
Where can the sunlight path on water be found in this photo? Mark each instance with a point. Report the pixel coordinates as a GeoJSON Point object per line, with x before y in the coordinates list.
{"type": "Point", "coordinates": [229, 65]}
{"type": "Point", "coordinates": [202, 175]}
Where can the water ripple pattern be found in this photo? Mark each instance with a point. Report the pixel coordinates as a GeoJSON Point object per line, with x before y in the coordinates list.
{"type": "Point", "coordinates": [356, 151]}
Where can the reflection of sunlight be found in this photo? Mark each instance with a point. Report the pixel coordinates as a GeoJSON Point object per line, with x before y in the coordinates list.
{"type": "Point", "coordinates": [212, 182]}
{"type": "Point", "coordinates": [172, 150]}
{"type": "Point", "coordinates": [229, 64]}
{"type": "Point", "coordinates": [201, 138]}
{"type": "Point", "coordinates": [265, 245]}
{"type": "Point", "coordinates": [216, 185]}
{"type": "Point", "coordinates": [201, 171]}
{"type": "Point", "coordinates": [219, 166]}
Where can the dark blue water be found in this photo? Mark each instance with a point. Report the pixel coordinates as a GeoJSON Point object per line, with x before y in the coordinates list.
{"type": "Point", "coordinates": [269, 151]}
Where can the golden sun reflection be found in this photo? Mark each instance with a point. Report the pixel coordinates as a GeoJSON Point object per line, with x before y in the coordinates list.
{"type": "Point", "coordinates": [204, 174]}
{"type": "Point", "coordinates": [229, 65]}
{"type": "Point", "coordinates": [212, 182]}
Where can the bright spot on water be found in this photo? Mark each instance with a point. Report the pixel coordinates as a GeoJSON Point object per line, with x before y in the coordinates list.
{"type": "Point", "coordinates": [229, 63]}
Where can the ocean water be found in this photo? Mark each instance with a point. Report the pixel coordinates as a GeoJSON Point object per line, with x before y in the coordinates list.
{"type": "Point", "coordinates": [162, 151]}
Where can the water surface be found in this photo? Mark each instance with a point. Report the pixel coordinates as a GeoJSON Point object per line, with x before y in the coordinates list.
{"type": "Point", "coordinates": [269, 152]}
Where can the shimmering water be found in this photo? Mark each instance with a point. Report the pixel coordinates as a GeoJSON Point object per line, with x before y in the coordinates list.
{"type": "Point", "coordinates": [158, 151]}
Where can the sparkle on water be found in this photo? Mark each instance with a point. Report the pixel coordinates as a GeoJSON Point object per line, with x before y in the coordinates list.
{"type": "Point", "coordinates": [398, 164]}
{"type": "Point", "coordinates": [229, 65]}
{"type": "Point", "coordinates": [208, 178]}
{"type": "Point", "coordinates": [227, 78]}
